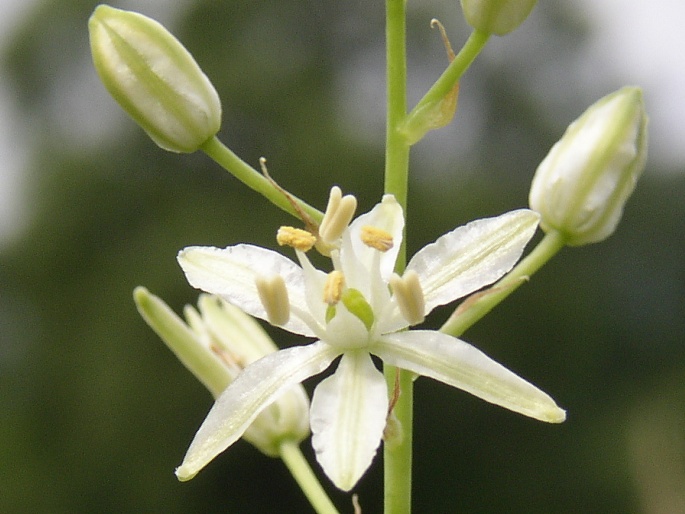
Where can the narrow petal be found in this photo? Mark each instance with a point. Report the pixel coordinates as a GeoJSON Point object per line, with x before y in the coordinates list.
{"type": "Point", "coordinates": [256, 388]}
{"type": "Point", "coordinates": [314, 282]}
{"type": "Point", "coordinates": [354, 254]}
{"type": "Point", "coordinates": [348, 417]}
{"type": "Point", "coordinates": [472, 256]}
{"type": "Point", "coordinates": [231, 273]}
{"type": "Point", "coordinates": [461, 365]}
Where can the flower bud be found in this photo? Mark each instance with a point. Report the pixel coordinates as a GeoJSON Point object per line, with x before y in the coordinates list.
{"type": "Point", "coordinates": [216, 343]}
{"type": "Point", "coordinates": [496, 16]}
{"type": "Point", "coordinates": [154, 79]}
{"type": "Point", "coordinates": [580, 188]}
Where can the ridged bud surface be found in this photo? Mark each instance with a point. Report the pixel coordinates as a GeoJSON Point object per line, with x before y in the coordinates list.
{"type": "Point", "coordinates": [154, 79]}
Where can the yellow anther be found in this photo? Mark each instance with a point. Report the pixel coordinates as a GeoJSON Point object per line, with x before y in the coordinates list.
{"type": "Point", "coordinates": [295, 238]}
{"type": "Point", "coordinates": [376, 238]}
{"type": "Point", "coordinates": [409, 296]}
{"type": "Point", "coordinates": [339, 213]}
{"type": "Point", "coordinates": [274, 297]}
{"type": "Point", "coordinates": [332, 289]}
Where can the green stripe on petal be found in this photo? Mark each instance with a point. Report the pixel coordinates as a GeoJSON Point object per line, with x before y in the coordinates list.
{"type": "Point", "coordinates": [461, 365]}
{"type": "Point", "coordinates": [472, 256]}
{"type": "Point", "coordinates": [255, 389]}
{"type": "Point", "coordinates": [348, 417]}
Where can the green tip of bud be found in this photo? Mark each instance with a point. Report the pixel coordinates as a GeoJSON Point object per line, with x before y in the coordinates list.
{"type": "Point", "coordinates": [582, 185]}
{"type": "Point", "coordinates": [154, 79]}
{"type": "Point", "coordinates": [496, 16]}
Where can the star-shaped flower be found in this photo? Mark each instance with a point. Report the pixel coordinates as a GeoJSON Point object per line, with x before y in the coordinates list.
{"type": "Point", "coordinates": [360, 308]}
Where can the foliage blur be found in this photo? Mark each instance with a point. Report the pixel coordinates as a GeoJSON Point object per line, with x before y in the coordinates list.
{"type": "Point", "coordinates": [95, 413]}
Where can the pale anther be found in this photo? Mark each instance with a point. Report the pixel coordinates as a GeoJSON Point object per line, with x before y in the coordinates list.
{"type": "Point", "coordinates": [409, 296]}
{"type": "Point", "coordinates": [274, 297]}
{"type": "Point", "coordinates": [295, 238]}
{"type": "Point", "coordinates": [332, 289]}
{"type": "Point", "coordinates": [339, 213]}
{"type": "Point", "coordinates": [376, 238]}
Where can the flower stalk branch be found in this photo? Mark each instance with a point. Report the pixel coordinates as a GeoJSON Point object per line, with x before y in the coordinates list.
{"type": "Point", "coordinates": [256, 181]}
{"type": "Point", "coordinates": [471, 311]}
{"type": "Point", "coordinates": [473, 46]}
{"type": "Point", "coordinates": [304, 476]}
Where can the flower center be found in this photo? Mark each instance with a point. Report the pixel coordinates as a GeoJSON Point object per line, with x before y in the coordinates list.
{"type": "Point", "coordinates": [334, 291]}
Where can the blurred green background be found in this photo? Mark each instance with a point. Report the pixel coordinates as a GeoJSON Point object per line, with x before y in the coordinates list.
{"type": "Point", "coordinates": [95, 412]}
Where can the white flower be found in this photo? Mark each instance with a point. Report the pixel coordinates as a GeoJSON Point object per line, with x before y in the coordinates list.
{"type": "Point", "coordinates": [359, 309]}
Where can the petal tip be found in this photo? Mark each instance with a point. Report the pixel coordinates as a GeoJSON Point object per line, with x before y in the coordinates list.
{"type": "Point", "coordinates": [183, 473]}
{"type": "Point", "coordinates": [555, 415]}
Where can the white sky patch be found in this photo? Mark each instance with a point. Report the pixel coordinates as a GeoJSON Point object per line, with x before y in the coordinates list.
{"type": "Point", "coordinates": [630, 42]}
{"type": "Point", "coordinates": [13, 133]}
{"type": "Point", "coordinates": [75, 98]}
{"type": "Point", "coordinates": [642, 44]}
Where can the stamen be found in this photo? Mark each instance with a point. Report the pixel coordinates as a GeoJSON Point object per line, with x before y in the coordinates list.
{"type": "Point", "coordinates": [295, 238]}
{"type": "Point", "coordinates": [409, 295]}
{"type": "Point", "coordinates": [274, 297]}
{"type": "Point", "coordinates": [339, 213]}
{"type": "Point", "coordinates": [376, 238]}
{"type": "Point", "coordinates": [333, 288]}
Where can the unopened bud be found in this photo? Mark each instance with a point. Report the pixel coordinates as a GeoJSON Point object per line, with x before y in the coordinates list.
{"type": "Point", "coordinates": [496, 16]}
{"type": "Point", "coordinates": [216, 342]}
{"type": "Point", "coordinates": [580, 188]}
{"type": "Point", "coordinates": [154, 79]}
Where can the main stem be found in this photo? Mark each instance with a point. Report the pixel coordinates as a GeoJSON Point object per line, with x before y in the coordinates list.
{"type": "Point", "coordinates": [397, 452]}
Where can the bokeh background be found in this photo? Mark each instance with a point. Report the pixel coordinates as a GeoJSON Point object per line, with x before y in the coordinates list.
{"type": "Point", "coordinates": [95, 412]}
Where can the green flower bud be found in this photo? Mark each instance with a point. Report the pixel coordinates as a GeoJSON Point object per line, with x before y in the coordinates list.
{"type": "Point", "coordinates": [496, 16]}
{"type": "Point", "coordinates": [216, 342]}
{"type": "Point", "coordinates": [580, 188]}
{"type": "Point", "coordinates": [154, 78]}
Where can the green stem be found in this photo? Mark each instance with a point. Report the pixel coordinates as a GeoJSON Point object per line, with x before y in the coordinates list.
{"type": "Point", "coordinates": [469, 313]}
{"type": "Point", "coordinates": [454, 71]}
{"type": "Point", "coordinates": [305, 478]}
{"type": "Point", "coordinates": [398, 452]}
{"type": "Point", "coordinates": [255, 180]}
{"type": "Point", "coordinates": [396, 147]}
